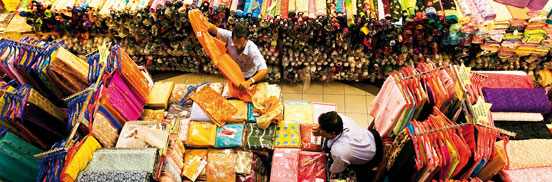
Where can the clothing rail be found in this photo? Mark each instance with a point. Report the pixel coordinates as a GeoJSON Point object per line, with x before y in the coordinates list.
{"type": "Point", "coordinates": [425, 72]}
{"type": "Point", "coordinates": [44, 154]}
{"type": "Point", "coordinates": [67, 99]}
{"type": "Point", "coordinates": [443, 128]}
{"type": "Point", "coordinates": [503, 131]}
{"type": "Point", "coordinates": [19, 42]}
{"type": "Point", "coordinates": [91, 54]}
{"type": "Point", "coordinates": [9, 92]}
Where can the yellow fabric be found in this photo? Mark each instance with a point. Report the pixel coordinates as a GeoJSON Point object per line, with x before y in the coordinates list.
{"type": "Point", "coordinates": [202, 134]}
{"type": "Point", "coordinates": [288, 135]}
{"type": "Point", "coordinates": [267, 103]}
{"type": "Point", "coordinates": [153, 115]}
{"type": "Point", "coordinates": [241, 115]}
{"type": "Point", "coordinates": [502, 13]}
{"type": "Point", "coordinates": [159, 95]}
{"type": "Point", "coordinates": [301, 111]}
{"type": "Point", "coordinates": [45, 104]}
{"type": "Point", "coordinates": [82, 157]}
{"type": "Point", "coordinates": [189, 156]}
{"type": "Point", "coordinates": [517, 13]}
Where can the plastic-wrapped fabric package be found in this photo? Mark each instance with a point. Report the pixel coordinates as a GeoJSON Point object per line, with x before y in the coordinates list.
{"type": "Point", "coordinates": [312, 166]}
{"type": "Point", "coordinates": [241, 114]}
{"type": "Point", "coordinates": [220, 167]}
{"type": "Point", "coordinates": [184, 130]}
{"type": "Point", "coordinates": [308, 140]}
{"type": "Point", "coordinates": [114, 160]}
{"type": "Point", "coordinates": [258, 138]}
{"type": "Point", "coordinates": [288, 135]}
{"type": "Point", "coordinates": [250, 176]}
{"type": "Point", "coordinates": [214, 105]}
{"type": "Point", "coordinates": [197, 114]}
{"type": "Point", "coordinates": [153, 115]}
{"type": "Point", "coordinates": [230, 135]}
{"type": "Point", "coordinates": [217, 87]}
{"type": "Point", "coordinates": [251, 114]}
{"type": "Point", "coordinates": [182, 112]}
{"type": "Point", "coordinates": [189, 158]}
{"type": "Point", "coordinates": [321, 108]}
{"type": "Point", "coordinates": [285, 165]}
{"type": "Point", "coordinates": [179, 92]}
{"type": "Point", "coordinates": [301, 111]}
{"type": "Point", "coordinates": [243, 162]}
{"type": "Point", "coordinates": [140, 134]}
{"type": "Point", "coordinates": [159, 95]}
{"type": "Point", "coordinates": [202, 134]}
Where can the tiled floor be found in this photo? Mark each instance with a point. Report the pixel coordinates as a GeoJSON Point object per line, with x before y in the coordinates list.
{"type": "Point", "coordinates": [353, 100]}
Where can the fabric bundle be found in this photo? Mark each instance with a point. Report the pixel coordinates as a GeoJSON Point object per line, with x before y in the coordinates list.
{"type": "Point", "coordinates": [202, 134]}
{"type": "Point", "coordinates": [190, 158]}
{"type": "Point", "coordinates": [308, 140]}
{"type": "Point", "coordinates": [525, 130]}
{"type": "Point", "coordinates": [244, 162]}
{"type": "Point", "coordinates": [197, 114]}
{"type": "Point", "coordinates": [214, 105]}
{"type": "Point", "coordinates": [159, 95]}
{"type": "Point", "coordinates": [285, 165]}
{"type": "Point", "coordinates": [230, 135]}
{"type": "Point", "coordinates": [220, 167]}
{"type": "Point", "coordinates": [528, 153]}
{"type": "Point", "coordinates": [267, 104]}
{"type": "Point", "coordinates": [141, 134]}
{"type": "Point", "coordinates": [301, 111]}
{"type": "Point", "coordinates": [288, 135]}
{"type": "Point", "coordinates": [498, 80]}
{"type": "Point", "coordinates": [312, 166]}
{"type": "Point", "coordinates": [241, 114]}
{"type": "Point", "coordinates": [517, 116]}
{"type": "Point", "coordinates": [124, 99]}
{"type": "Point", "coordinates": [179, 92]}
{"type": "Point", "coordinates": [527, 174]}
{"type": "Point", "coordinates": [68, 73]}
{"type": "Point", "coordinates": [517, 100]}
{"type": "Point", "coordinates": [321, 108]}
{"type": "Point", "coordinates": [258, 138]}
{"type": "Point", "coordinates": [80, 156]}
{"type": "Point", "coordinates": [105, 128]}
{"type": "Point", "coordinates": [16, 159]}
{"type": "Point", "coordinates": [115, 162]}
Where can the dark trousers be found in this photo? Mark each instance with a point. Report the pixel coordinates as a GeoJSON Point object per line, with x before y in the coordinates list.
{"type": "Point", "coordinates": [364, 172]}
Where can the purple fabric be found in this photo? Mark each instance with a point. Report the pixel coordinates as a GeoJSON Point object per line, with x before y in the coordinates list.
{"type": "Point", "coordinates": [533, 100]}
{"type": "Point", "coordinates": [485, 9]}
{"type": "Point", "coordinates": [536, 5]}
{"type": "Point", "coordinates": [43, 125]}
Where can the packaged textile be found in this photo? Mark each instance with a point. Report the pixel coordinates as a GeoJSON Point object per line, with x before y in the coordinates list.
{"type": "Point", "coordinates": [534, 174]}
{"type": "Point", "coordinates": [179, 92]}
{"type": "Point", "coordinates": [532, 100]}
{"type": "Point", "coordinates": [114, 176]}
{"type": "Point", "coordinates": [159, 95]}
{"type": "Point", "coordinates": [82, 155]}
{"type": "Point", "coordinates": [525, 130]}
{"type": "Point", "coordinates": [251, 114]}
{"type": "Point", "coordinates": [312, 166]}
{"type": "Point", "coordinates": [243, 162]}
{"type": "Point", "coordinates": [141, 134]}
{"type": "Point", "coordinates": [136, 160]}
{"type": "Point", "coordinates": [497, 80]}
{"type": "Point", "coordinates": [241, 114]}
{"type": "Point", "coordinates": [310, 142]}
{"type": "Point", "coordinates": [268, 106]}
{"type": "Point", "coordinates": [214, 105]}
{"type": "Point", "coordinates": [123, 99]}
{"type": "Point", "coordinates": [182, 112]}
{"type": "Point", "coordinates": [202, 134]}
{"type": "Point", "coordinates": [301, 111]}
{"type": "Point", "coordinates": [258, 138]}
{"type": "Point", "coordinates": [220, 167]}
{"type": "Point", "coordinates": [288, 135]}
{"type": "Point", "coordinates": [517, 116]}
{"type": "Point", "coordinates": [169, 173]}
{"type": "Point", "coordinates": [184, 130]}
{"type": "Point", "coordinates": [197, 114]}
{"type": "Point", "coordinates": [230, 135]}
{"type": "Point", "coordinates": [153, 115]}
{"type": "Point", "coordinates": [321, 108]}
{"type": "Point", "coordinates": [217, 87]}
{"type": "Point", "coordinates": [105, 128]}
{"type": "Point", "coordinates": [16, 159]}
{"type": "Point", "coordinates": [527, 153]}
{"type": "Point", "coordinates": [193, 165]}
{"type": "Point", "coordinates": [285, 165]}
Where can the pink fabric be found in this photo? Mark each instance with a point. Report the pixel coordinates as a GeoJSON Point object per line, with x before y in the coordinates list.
{"type": "Point", "coordinates": [123, 99]}
{"type": "Point", "coordinates": [497, 80]}
{"type": "Point", "coordinates": [536, 174]}
{"type": "Point", "coordinates": [312, 9]}
{"type": "Point", "coordinates": [321, 108]}
{"type": "Point", "coordinates": [312, 166]}
{"type": "Point", "coordinates": [387, 107]}
{"type": "Point", "coordinates": [448, 82]}
{"type": "Point", "coordinates": [516, 3]}
{"type": "Point", "coordinates": [537, 4]}
{"type": "Point", "coordinates": [285, 165]}
{"type": "Point", "coordinates": [14, 71]}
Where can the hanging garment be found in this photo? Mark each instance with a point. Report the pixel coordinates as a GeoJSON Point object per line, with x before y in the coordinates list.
{"type": "Point", "coordinates": [105, 128]}
{"type": "Point", "coordinates": [80, 157]}
{"type": "Point", "coordinates": [121, 97]}
{"type": "Point", "coordinates": [312, 166]}
{"type": "Point", "coordinates": [16, 159]}
{"type": "Point", "coordinates": [517, 100]}
{"type": "Point", "coordinates": [525, 130]}
{"type": "Point", "coordinates": [258, 138]}
{"type": "Point", "coordinates": [285, 164]}
{"type": "Point", "coordinates": [217, 52]}
{"type": "Point", "coordinates": [230, 135]}
{"type": "Point", "coordinates": [386, 115]}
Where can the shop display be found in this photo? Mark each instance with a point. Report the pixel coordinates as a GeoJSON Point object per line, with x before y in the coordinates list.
{"type": "Point", "coordinates": [217, 108]}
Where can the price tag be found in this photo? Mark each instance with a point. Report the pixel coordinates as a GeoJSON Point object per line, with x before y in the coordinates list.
{"type": "Point", "coordinates": [481, 111]}
{"type": "Point", "coordinates": [464, 75]}
{"type": "Point", "coordinates": [104, 54]}
{"type": "Point", "coordinates": [459, 91]}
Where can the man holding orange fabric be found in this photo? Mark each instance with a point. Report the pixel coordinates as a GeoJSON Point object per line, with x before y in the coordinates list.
{"type": "Point", "coordinates": [244, 52]}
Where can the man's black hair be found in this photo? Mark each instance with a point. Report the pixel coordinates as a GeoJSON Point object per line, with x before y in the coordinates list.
{"type": "Point", "coordinates": [240, 31]}
{"type": "Point", "coordinates": [331, 122]}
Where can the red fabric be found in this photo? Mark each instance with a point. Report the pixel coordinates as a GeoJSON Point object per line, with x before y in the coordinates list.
{"type": "Point", "coordinates": [310, 142]}
{"type": "Point", "coordinates": [312, 166]}
{"type": "Point", "coordinates": [285, 164]}
{"type": "Point", "coordinates": [216, 50]}
{"type": "Point", "coordinates": [495, 80]}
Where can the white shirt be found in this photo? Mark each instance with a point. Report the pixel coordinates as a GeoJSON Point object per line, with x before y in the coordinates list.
{"type": "Point", "coordinates": [353, 147]}
{"type": "Point", "coordinates": [250, 60]}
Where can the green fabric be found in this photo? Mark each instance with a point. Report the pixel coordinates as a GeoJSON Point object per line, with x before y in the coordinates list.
{"type": "Point", "coordinates": [115, 160]}
{"type": "Point", "coordinates": [258, 138]}
{"type": "Point", "coordinates": [16, 159]}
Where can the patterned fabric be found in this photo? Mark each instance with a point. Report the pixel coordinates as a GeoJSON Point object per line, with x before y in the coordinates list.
{"type": "Point", "coordinates": [184, 130]}
{"type": "Point", "coordinates": [67, 73]}
{"type": "Point", "coordinates": [301, 111]}
{"type": "Point", "coordinates": [132, 75]}
{"type": "Point", "coordinates": [386, 115]}
{"type": "Point", "coordinates": [321, 108]}
{"type": "Point", "coordinates": [159, 95]}
{"type": "Point", "coordinates": [517, 100]}
{"type": "Point", "coordinates": [197, 114]}
{"type": "Point", "coordinates": [308, 140]}
{"type": "Point", "coordinates": [496, 80]}
{"type": "Point", "coordinates": [126, 104]}
{"type": "Point", "coordinates": [287, 135]}
{"type": "Point", "coordinates": [485, 9]}
{"type": "Point", "coordinates": [241, 114]}
{"type": "Point", "coordinates": [190, 155]}
{"type": "Point", "coordinates": [214, 105]}
{"type": "Point", "coordinates": [244, 162]}
{"type": "Point", "coordinates": [517, 116]}
{"type": "Point", "coordinates": [140, 134]}
{"type": "Point", "coordinates": [230, 135]}
{"type": "Point", "coordinates": [128, 160]}
{"type": "Point", "coordinates": [182, 112]}
{"type": "Point", "coordinates": [285, 164]}
{"type": "Point", "coordinates": [179, 92]}
{"type": "Point", "coordinates": [397, 146]}
{"type": "Point", "coordinates": [113, 176]}
{"type": "Point", "coordinates": [220, 167]}
{"type": "Point", "coordinates": [16, 159]}
{"type": "Point", "coordinates": [103, 130]}
{"type": "Point", "coordinates": [535, 174]}
{"type": "Point", "coordinates": [528, 153]}
{"type": "Point", "coordinates": [258, 138]}
{"type": "Point", "coordinates": [202, 134]}
{"type": "Point", "coordinates": [312, 166]}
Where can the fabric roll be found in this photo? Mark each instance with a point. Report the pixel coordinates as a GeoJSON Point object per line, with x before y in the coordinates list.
{"type": "Point", "coordinates": [284, 9]}
{"type": "Point", "coordinates": [485, 9]}
{"type": "Point", "coordinates": [258, 6]}
{"type": "Point", "coordinates": [525, 130]}
{"type": "Point", "coordinates": [528, 153]}
{"type": "Point", "coordinates": [532, 100]}
{"type": "Point", "coordinates": [502, 13]}
{"type": "Point", "coordinates": [515, 3]}
{"type": "Point", "coordinates": [464, 7]}
{"type": "Point", "coordinates": [497, 80]}
{"type": "Point", "coordinates": [320, 7]}
{"type": "Point", "coordinates": [536, 5]}
{"type": "Point", "coordinates": [312, 9]}
{"type": "Point", "coordinates": [517, 116]}
{"type": "Point", "coordinates": [302, 6]}
{"type": "Point", "coordinates": [527, 175]}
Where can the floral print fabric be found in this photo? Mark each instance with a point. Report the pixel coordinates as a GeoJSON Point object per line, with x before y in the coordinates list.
{"type": "Point", "coordinates": [301, 111]}
{"type": "Point", "coordinates": [214, 105]}
{"type": "Point", "coordinates": [220, 167]}
{"type": "Point", "coordinates": [287, 135]}
{"type": "Point", "coordinates": [285, 164]}
{"type": "Point", "coordinates": [312, 166]}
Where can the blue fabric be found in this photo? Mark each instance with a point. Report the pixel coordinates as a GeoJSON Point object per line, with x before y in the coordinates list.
{"type": "Point", "coordinates": [251, 116]}
{"type": "Point", "coordinates": [234, 138]}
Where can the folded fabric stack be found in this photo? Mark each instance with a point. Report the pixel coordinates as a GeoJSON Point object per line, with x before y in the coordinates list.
{"type": "Point", "coordinates": [528, 160]}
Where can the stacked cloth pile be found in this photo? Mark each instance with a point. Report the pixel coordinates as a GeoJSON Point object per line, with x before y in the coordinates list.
{"type": "Point", "coordinates": [519, 107]}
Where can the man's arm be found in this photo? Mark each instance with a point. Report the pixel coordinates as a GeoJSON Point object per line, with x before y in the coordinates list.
{"type": "Point", "coordinates": [338, 164]}
{"type": "Point", "coordinates": [212, 29]}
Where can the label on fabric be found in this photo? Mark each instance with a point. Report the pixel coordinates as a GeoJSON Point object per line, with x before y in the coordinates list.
{"type": "Point", "coordinates": [459, 91]}
{"type": "Point", "coordinates": [316, 140]}
{"type": "Point", "coordinates": [319, 180]}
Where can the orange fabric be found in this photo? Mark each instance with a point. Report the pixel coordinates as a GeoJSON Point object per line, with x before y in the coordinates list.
{"type": "Point", "coordinates": [216, 50]}
{"type": "Point", "coordinates": [133, 76]}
